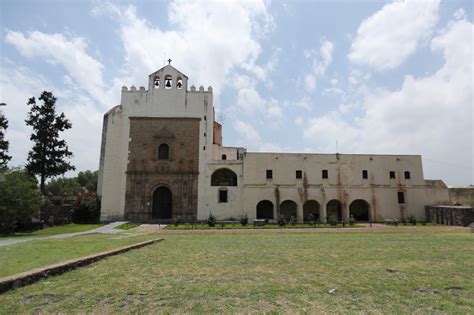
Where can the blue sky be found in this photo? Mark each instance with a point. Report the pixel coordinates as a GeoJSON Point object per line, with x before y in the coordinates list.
{"type": "Point", "coordinates": [389, 77]}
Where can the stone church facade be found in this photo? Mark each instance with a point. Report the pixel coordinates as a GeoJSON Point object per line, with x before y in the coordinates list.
{"type": "Point", "coordinates": [162, 159]}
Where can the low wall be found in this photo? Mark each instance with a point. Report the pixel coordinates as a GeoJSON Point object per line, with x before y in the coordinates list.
{"type": "Point", "coordinates": [450, 215]}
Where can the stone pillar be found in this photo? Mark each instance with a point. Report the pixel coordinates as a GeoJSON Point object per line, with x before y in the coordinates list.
{"type": "Point", "coordinates": [323, 213]}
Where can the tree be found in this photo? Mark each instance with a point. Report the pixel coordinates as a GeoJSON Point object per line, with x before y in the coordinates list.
{"type": "Point", "coordinates": [88, 180]}
{"type": "Point", "coordinates": [72, 186]}
{"type": "Point", "coordinates": [19, 199]}
{"type": "Point", "coordinates": [48, 156]}
{"type": "Point", "coordinates": [4, 157]}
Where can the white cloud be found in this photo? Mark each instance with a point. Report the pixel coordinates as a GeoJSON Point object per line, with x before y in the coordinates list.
{"type": "Point", "coordinates": [432, 115]}
{"type": "Point", "coordinates": [70, 53]}
{"type": "Point", "coordinates": [209, 40]}
{"type": "Point", "coordinates": [247, 131]}
{"type": "Point", "coordinates": [320, 60]}
{"type": "Point", "coordinates": [388, 37]}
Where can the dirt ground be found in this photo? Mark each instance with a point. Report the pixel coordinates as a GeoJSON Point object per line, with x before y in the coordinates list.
{"type": "Point", "coordinates": [376, 227]}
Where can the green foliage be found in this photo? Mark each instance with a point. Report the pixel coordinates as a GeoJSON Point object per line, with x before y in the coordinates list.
{"type": "Point", "coordinates": [19, 200]}
{"type": "Point", "coordinates": [211, 220]}
{"type": "Point", "coordinates": [281, 221]}
{"type": "Point", "coordinates": [86, 209]}
{"type": "Point", "coordinates": [412, 219]}
{"type": "Point", "coordinates": [332, 220]}
{"type": "Point", "coordinates": [63, 187]}
{"type": "Point", "coordinates": [4, 157]}
{"type": "Point", "coordinates": [48, 156]}
{"type": "Point", "coordinates": [244, 220]}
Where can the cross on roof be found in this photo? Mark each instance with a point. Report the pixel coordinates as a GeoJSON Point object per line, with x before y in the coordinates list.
{"type": "Point", "coordinates": [169, 61]}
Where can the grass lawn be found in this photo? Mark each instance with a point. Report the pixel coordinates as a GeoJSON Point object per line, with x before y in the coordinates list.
{"type": "Point", "coordinates": [273, 272]}
{"type": "Point", "coordinates": [189, 226]}
{"type": "Point", "coordinates": [127, 226]}
{"type": "Point", "coordinates": [54, 230]}
{"type": "Point", "coordinates": [29, 255]}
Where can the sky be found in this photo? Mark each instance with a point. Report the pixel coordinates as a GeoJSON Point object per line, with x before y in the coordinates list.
{"type": "Point", "coordinates": [370, 77]}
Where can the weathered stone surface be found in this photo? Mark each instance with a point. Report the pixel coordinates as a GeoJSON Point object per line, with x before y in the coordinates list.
{"type": "Point", "coordinates": [145, 172]}
{"type": "Point", "coordinates": [450, 215]}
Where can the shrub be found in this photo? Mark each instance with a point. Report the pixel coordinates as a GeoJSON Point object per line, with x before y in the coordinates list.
{"type": "Point", "coordinates": [86, 209]}
{"type": "Point", "coordinates": [244, 220]}
{"type": "Point", "coordinates": [177, 221]}
{"type": "Point", "coordinates": [332, 220]}
{"type": "Point", "coordinates": [412, 219]}
{"type": "Point", "coordinates": [311, 219]}
{"type": "Point", "coordinates": [351, 220]}
{"type": "Point", "coordinates": [211, 220]}
{"type": "Point", "coordinates": [281, 221]}
{"type": "Point", "coordinates": [292, 220]}
{"type": "Point", "coordinates": [20, 200]}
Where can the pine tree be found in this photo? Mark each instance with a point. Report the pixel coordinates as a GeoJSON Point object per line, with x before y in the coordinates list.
{"type": "Point", "coordinates": [4, 157]}
{"type": "Point", "coordinates": [48, 156]}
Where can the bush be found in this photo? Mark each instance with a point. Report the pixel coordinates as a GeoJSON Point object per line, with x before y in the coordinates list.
{"type": "Point", "coordinates": [332, 220]}
{"type": "Point", "coordinates": [351, 220]}
{"type": "Point", "coordinates": [412, 219]}
{"type": "Point", "coordinates": [281, 221]}
{"type": "Point", "coordinates": [244, 220]}
{"type": "Point", "coordinates": [211, 220]}
{"type": "Point", "coordinates": [177, 221]}
{"type": "Point", "coordinates": [292, 220]}
{"type": "Point", "coordinates": [20, 200]}
{"type": "Point", "coordinates": [86, 209]}
{"type": "Point", "coordinates": [311, 219]}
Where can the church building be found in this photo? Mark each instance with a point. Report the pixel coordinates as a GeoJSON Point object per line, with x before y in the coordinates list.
{"type": "Point", "coordinates": [162, 159]}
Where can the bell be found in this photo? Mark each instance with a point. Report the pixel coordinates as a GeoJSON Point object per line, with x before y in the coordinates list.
{"type": "Point", "coordinates": [179, 85]}
{"type": "Point", "coordinates": [157, 82]}
{"type": "Point", "coordinates": [168, 83]}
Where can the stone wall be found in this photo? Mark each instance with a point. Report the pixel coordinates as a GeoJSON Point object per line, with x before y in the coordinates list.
{"type": "Point", "coordinates": [462, 195]}
{"type": "Point", "coordinates": [179, 173]}
{"type": "Point", "coordinates": [450, 215]}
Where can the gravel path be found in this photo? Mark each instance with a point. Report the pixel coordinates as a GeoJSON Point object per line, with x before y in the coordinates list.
{"type": "Point", "coordinates": [375, 228]}
{"type": "Point", "coordinates": [106, 229]}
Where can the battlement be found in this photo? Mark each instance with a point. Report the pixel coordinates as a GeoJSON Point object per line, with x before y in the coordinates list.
{"type": "Point", "coordinates": [141, 89]}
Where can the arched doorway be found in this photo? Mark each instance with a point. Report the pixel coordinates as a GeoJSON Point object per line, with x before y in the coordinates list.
{"type": "Point", "coordinates": [265, 209]}
{"type": "Point", "coordinates": [359, 209]}
{"type": "Point", "coordinates": [311, 207]}
{"type": "Point", "coordinates": [334, 208]}
{"type": "Point", "coordinates": [162, 203]}
{"type": "Point", "coordinates": [288, 209]}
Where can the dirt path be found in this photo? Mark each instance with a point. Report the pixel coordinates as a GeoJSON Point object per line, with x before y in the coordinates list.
{"type": "Point", "coordinates": [375, 228]}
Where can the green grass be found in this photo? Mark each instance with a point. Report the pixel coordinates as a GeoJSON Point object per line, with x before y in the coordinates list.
{"type": "Point", "coordinates": [38, 253]}
{"type": "Point", "coordinates": [270, 272]}
{"type": "Point", "coordinates": [127, 226]}
{"type": "Point", "coordinates": [54, 230]}
{"type": "Point", "coordinates": [250, 226]}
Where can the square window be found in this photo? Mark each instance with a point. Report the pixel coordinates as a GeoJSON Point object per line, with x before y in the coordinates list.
{"type": "Point", "coordinates": [269, 174]}
{"type": "Point", "coordinates": [401, 197]}
{"type": "Point", "coordinates": [222, 195]}
{"type": "Point", "coordinates": [392, 175]}
{"type": "Point", "coordinates": [325, 174]}
{"type": "Point", "coordinates": [365, 174]}
{"type": "Point", "coordinates": [299, 174]}
{"type": "Point", "coordinates": [407, 175]}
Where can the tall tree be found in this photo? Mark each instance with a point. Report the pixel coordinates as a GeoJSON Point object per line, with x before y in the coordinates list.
{"type": "Point", "coordinates": [4, 157]}
{"type": "Point", "coordinates": [48, 156]}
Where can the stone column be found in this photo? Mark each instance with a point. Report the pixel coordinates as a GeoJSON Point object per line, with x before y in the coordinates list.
{"type": "Point", "coordinates": [323, 213]}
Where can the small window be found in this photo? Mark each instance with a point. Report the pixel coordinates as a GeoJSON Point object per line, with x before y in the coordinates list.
{"type": "Point", "coordinates": [163, 152]}
{"type": "Point", "coordinates": [204, 148]}
{"type": "Point", "coordinates": [224, 157]}
{"type": "Point", "coordinates": [168, 82]}
{"type": "Point", "coordinates": [269, 174]}
{"type": "Point", "coordinates": [325, 174]}
{"type": "Point", "coordinates": [407, 175]}
{"type": "Point", "coordinates": [179, 83]}
{"type": "Point", "coordinates": [299, 174]}
{"type": "Point", "coordinates": [222, 195]}
{"type": "Point", "coordinates": [365, 174]}
{"type": "Point", "coordinates": [156, 83]}
{"type": "Point", "coordinates": [401, 197]}
{"type": "Point", "coordinates": [392, 175]}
